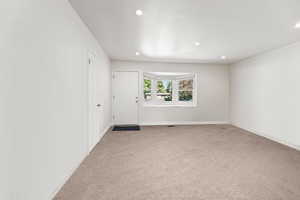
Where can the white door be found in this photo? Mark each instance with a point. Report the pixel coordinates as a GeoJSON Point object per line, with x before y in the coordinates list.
{"type": "Point", "coordinates": [96, 113]}
{"type": "Point", "coordinates": [125, 98]}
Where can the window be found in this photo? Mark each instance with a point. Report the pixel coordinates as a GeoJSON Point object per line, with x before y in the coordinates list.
{"type": "Point", "coordinates": [185, 91]}
{"type": "Point", "coordinates": [169, 89]}
{"type": "Point", "coordinates": [147, 90]}
{"type": "Point", "coordinates": [164, 90]}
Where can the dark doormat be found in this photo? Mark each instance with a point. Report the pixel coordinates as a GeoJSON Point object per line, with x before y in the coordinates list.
{"type": "Point", "coordinates": [127, 128]}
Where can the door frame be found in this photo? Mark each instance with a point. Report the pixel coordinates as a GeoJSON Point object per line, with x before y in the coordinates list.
{"type": "Point", "coordinates": [139, 94]}
{"type": "Point", "coordinates": [89, 54]}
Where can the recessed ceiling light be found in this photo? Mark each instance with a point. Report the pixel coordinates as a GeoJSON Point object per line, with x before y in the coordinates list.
{"type": "Point", "coordinates": [197, 43]}
{"type": "Point", "coordinates": [297, 25]}
{"type": "Point", "coordinates": [223, 57]}
{"type": "Point", "coordinates": [139, 12]}
{"type": "Point", "coordinates": [137, 53]}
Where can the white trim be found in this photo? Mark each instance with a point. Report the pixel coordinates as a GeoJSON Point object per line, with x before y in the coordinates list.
{"type": "Point", "coordinates": [169, 105]}
{"type": "Point", "coordinates": [182, 123]}
{"type": "Point", "coordinates": [278, 140]}
{"type": "Point", "coordinates": [65, 179]}
{"type": "Point", "coordinates": [154, 102]}
{"type": "Point", "coordinates": [105, 130]}
{"type": "Point", "coordinates": [102, 134]}
{"type": "Point", "coordinates": [168, 75]}
{"type": "Point", "coordinates": [87, 56]}
{"type": "Point", "coordinates": [68, 176]}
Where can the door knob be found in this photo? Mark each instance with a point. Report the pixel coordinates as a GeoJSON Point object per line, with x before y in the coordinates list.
{"type": "Point", "coordinates": [98, 105]}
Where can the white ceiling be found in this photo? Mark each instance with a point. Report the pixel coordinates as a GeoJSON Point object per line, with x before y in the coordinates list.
{"type": "Point", "coordinates": [169, 29]}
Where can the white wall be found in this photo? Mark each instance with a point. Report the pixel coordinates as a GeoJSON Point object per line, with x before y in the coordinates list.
{"type": "Point", "coordinates": [265, 94]}
{"type": "Point", "coordinates": [9, 12]}
{"type": "Point", "coordinates": [6, 105]}
{"type": "Point", "coordinates": [213, 93]}
{"type": "Point", "coordinates": [43, 62]}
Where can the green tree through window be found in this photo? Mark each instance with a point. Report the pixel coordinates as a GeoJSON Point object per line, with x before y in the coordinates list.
{"type": "Point", "coordinates": [147, 89]}
{"type": "Point", "coordinates": [185, 91]}
{"type": "Point", "coordinates": [164, 90]}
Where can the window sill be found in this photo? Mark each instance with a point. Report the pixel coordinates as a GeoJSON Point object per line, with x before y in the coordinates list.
{"type": "Point", "coordinates": [168, 105]}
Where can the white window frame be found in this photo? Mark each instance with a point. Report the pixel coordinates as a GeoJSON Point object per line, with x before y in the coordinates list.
{"type": "Point", "coordinates": [175, 93]}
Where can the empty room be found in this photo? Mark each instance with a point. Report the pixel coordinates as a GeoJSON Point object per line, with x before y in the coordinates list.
{"type": "Point", "coordinates": [150, 100]}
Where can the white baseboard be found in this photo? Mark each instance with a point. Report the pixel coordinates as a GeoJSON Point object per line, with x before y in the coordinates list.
{"type": "Point", "coordinates": [68, 176]}
{"type": "Point", "coordinates": [65, 179]}
{"type": "Point", "coordinates": [182, 123]}
{"type": "Point", "coordinates": [103, 133]}
{"type": "Point", "coordinates": [278, 140]}
{"type": "Point", "coordinates": [105, 130]}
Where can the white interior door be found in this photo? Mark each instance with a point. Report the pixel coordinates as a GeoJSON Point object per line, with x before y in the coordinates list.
{"type": "Point", "coordinates": [96, 114]}
{"type": "Point", "coordinates": [125, 98]}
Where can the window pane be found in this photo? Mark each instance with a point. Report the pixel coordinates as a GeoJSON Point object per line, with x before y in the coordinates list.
{"type": "Point", "coordinates": [164, 90]}
{"type": "Point", "coordinates": [147, 89]}
{"type": "Point", "coordinates": [186, 85]}
{"type": "Point", "coordinates": [185, 95]}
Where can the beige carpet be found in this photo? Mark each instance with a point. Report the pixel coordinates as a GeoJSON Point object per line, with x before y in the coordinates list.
{"type": "Point", "coordinates": [209, 162]}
